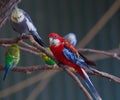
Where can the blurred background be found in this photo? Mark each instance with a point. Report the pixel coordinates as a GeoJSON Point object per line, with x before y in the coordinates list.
{"type": "Point", "coordinates": [64, 16]}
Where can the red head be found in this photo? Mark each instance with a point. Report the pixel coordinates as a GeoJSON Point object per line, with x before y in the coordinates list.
{"type": "Point", "coordinates": [55, 39]}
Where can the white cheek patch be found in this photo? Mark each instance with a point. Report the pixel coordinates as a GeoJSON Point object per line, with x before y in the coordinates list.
{"type": "Point", "coordinates": [56, 42]}
{"type": "Point", "coordinates": [51, 41]}
{"type": "Point", "coordinates": [21, 19]}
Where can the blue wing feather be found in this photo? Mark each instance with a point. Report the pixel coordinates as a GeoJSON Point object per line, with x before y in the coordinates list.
{"type": "Point", "coordinates": [76, 59]}
{"type": "Point", "coordinates": [27, 15]}
{"type": "Point", "coordinates": [69, 55]}
{"type": "Point", "coordinates": [7, 69]}
{"type": "Point", "coordinates": [91, 86]}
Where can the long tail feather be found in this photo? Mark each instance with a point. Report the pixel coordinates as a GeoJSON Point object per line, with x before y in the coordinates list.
{"type": "Point", "coordinates": [6, 72]}
{"type": "Point", "coordinates": [91, 86]}
{"type": "Point", "coordinates": [38, 39]}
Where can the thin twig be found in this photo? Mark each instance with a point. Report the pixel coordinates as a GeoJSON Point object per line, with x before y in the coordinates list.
{"type": "Point", "coordinates": [76, 79]}
{"type": "Point", "coordinates": [73, 76]}
{"type": "Point", "coordinates": [106, 75]}
{"type": "Point", "coordinates": [30, 69]}
{"type": "Point", "coordinates": [107, 53]}
{"type": "Point", "coordinates": [28, 46]}
{"type": "Point", "coordinates": [24, 49]}
{"type": "Point", "coordinates": [9, 40]}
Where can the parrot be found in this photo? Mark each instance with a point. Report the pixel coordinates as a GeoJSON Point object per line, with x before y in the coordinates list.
{"type": "Point", "coordinates": [22, 23]}
{"type": "Point", "coordinates": [71, 37]}
{"type": "Point", "coordinates": [12, 57]}
{"type": "Point", "coordinates": [66, 54]}
{"type": "Point", "coordinates": [47, 59]}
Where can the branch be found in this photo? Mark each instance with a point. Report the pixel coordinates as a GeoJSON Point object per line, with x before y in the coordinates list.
{"type": "Point", "coordinates": [30, 69]}
{"type": "Point", "coordinates": [106, 75]}
{"type": "Point", "coordinates": [34, 43]}
{"type": "Point", "coordinates": [24, 49]}
{"type": "Point", "coordinates": [6, 7]}
{"type": "Point", "coordinates": [107, 53]}
{"type": "Point", "coordinates": [69, 72]}
{"type": "Point", "coordinates": [74, 77]}
{"type": "Point", "coordinates": [9, 40]}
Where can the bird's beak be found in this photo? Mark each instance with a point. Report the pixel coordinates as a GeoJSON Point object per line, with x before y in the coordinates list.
{"type": "Point", "coordinates": [51, 41]}
{"type": "Point", "coordinates": [17, 19]}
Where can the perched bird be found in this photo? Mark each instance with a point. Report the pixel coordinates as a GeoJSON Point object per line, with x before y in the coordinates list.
{"type": "Point", "coordinates": [71, 37]}
{"type": "Point", "coordinates": [22, 23]}
{"type": "Point", "coordinates": [12, 57]}
{"type": "Point", "coordinates": [66, 54]}
{"type": "Point", "coordinates": [47, 59]}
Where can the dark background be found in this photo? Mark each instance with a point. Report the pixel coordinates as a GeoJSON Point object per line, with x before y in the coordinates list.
{"type": "Point", "coordinates": [64, 16]}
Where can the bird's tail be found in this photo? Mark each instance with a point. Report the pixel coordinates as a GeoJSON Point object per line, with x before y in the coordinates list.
{"type": "Point", "coordinates": [91, 86]}
{"type": "Point", "coordinates": [6, 71]}
{"type": "Point", "coordinates": [38, 39]}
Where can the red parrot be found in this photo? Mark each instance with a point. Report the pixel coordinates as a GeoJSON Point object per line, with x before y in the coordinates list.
{"type": "Point", "coordinates": [66, 54]}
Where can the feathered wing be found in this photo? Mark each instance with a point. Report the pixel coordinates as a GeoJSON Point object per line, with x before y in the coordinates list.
{"type": "Point", "coordinates": [38, 38]}
{"type": "Point", "coordinates": [71, 37]}
{"type": "Point", "coordinates": [71, 53]}
{"type": "Point", "coordinates": [89, 62]}
{"type": "Point", "coordinates": [27, 15]}
{"type": "Point", "coordinates": [7, 69]}
{"type": "Point", "coordinates": [91, 86]}
{"type": "Point", "coordinates": [32, 29]}
{"type": "Point", "coordinates": [47, 59]}
{"type": "Point", "coordinates": [81, 63]}
{"type": "Point", "coordinates": [12, 57]}
{"type": "Point", "coordinates": [68, 55]}
{"type": "Point", "coordinates": [9, 64]}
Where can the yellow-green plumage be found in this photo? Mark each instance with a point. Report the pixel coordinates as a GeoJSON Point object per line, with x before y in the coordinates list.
{"type": "Point", "coordinates": [12, 57]}
{"type": "Point", "coordinates": [47, 59]}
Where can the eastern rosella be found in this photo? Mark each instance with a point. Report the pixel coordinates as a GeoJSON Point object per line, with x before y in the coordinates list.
{"type": "Point", "coordinates": [71, 37]}
{"type": "Point", "coordinates": [66, 54]}
{"type": "Point", "coordinates": [22, 23]}
{"type": "Point", "coordinates": [47, 59]}
{"type": "Point", "coordinates": [12, 57]}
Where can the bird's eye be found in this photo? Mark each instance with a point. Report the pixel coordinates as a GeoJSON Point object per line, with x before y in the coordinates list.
{"type": "Point", "coordinates": [55, 36]}
{"type": "Point", "coordinates": [20, 16]}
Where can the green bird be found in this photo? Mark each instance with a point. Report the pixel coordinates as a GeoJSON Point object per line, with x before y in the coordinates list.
{"type": "Point", "coordinates": [12, 57]}
{"type": "Point", "coordinates": [47, 59]}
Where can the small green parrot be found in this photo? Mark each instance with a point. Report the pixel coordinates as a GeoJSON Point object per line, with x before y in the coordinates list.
{"type": "Point", "coordinates": [47, 59]}
{"type": "Point", "coordinates": [12, 57]}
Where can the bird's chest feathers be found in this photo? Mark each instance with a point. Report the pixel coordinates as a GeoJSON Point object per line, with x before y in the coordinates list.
{"type": "Point", "coordinates": [21, 27]}
{"type": "Point", "coordinates": [57, 51]}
